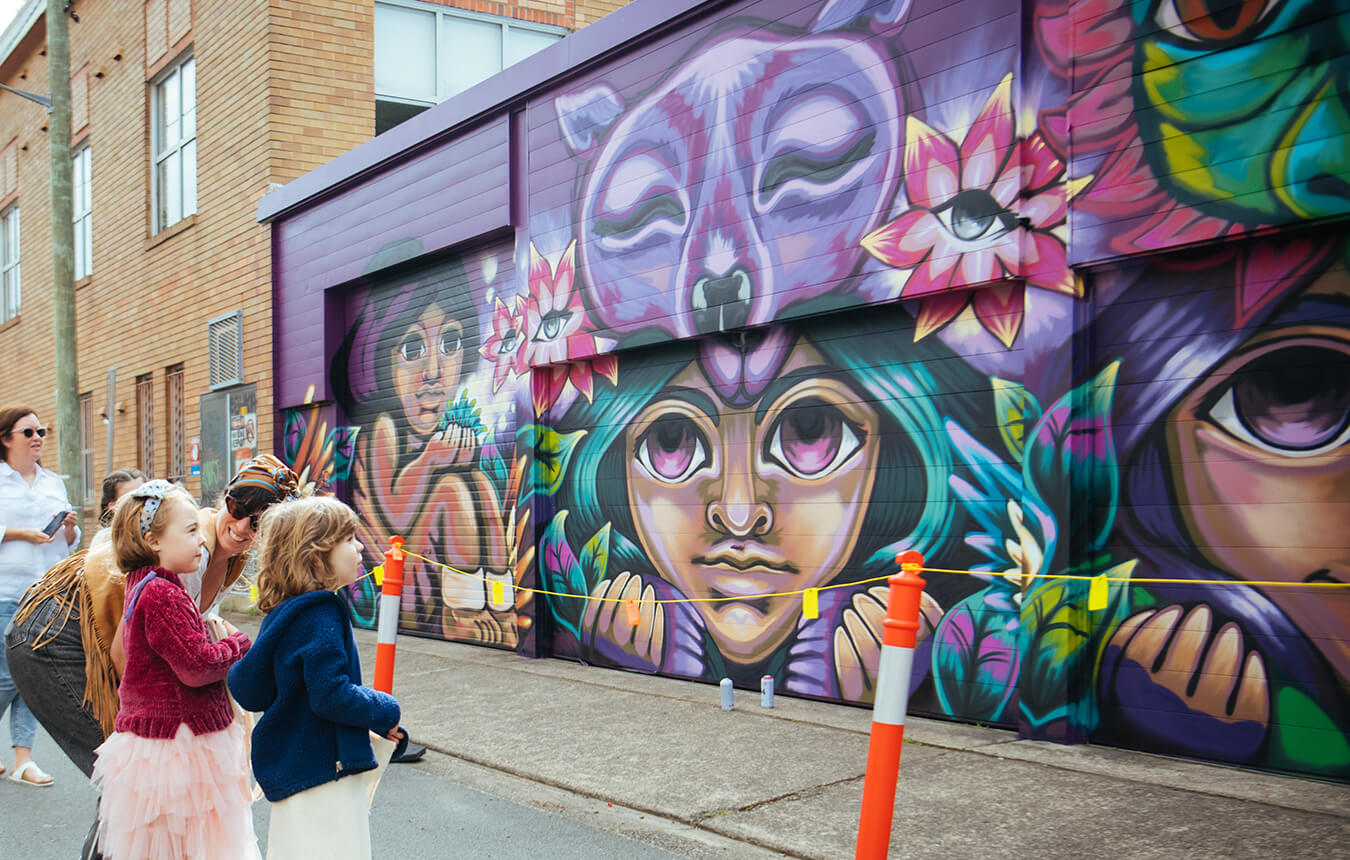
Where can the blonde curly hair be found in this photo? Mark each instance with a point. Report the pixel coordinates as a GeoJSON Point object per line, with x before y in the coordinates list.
{"type": "Point", "coordinates": [295, 539]}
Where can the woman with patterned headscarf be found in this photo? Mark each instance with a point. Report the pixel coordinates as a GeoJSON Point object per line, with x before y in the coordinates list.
{"type": "Point", "coordinates": [66, 633]}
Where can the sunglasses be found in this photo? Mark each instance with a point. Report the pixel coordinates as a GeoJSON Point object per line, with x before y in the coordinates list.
{"type": "Point", "coordinates": [241, 511]}
{"type": "Point", "coordinates": [29, 431]}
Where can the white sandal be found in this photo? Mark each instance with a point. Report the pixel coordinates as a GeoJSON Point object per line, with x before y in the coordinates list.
{"type": "Point", "coordinates": [31, 766]}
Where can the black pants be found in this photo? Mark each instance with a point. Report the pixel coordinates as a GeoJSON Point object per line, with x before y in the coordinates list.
{"type": "Point", "coordinates": [51, 680]}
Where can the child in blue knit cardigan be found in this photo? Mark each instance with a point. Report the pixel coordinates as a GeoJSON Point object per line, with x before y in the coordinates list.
{"type": "Point", "coordinates": [323, 739]}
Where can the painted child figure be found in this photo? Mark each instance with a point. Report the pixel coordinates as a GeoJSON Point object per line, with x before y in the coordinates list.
{"type": "Point", "coordinates": [323, 740]}
{"type": "Point", "coordinates": [174, 773]}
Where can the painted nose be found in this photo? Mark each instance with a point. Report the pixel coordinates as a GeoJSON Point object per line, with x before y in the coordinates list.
{"type": "Point", "coordinates": [719, 304]}
{"type": "Point", "coordinates": [738, 513]}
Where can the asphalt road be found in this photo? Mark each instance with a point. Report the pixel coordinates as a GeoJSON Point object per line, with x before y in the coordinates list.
{"type": "Point", "coordinates": [437, 808]}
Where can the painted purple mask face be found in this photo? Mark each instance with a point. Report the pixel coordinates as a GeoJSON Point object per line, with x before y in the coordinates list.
{"type": "Point", "coordinates": [739, 187]}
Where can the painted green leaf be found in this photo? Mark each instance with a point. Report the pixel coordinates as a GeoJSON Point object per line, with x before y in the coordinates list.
{"type": "Point", "coordinates": [552, 452]}
{"type": "Point", "coordinates": [1017, 412]}
{"type": "Point", "coordinates": [562, 573]}
{"type": "Point", "coordinates": [1306, 738]}
{"type": "Point", "coordinates": [595, 557]}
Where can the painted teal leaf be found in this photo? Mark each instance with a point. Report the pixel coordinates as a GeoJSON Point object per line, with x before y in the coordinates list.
{"type": "Point", "coordinates": [1071, 465]}
{"type": "Point", "coordinates": [1017, 412]}
{"type": "Point", "coordinates": [342, 440]}
{"type": "Point", "coordinates": [975, 657]}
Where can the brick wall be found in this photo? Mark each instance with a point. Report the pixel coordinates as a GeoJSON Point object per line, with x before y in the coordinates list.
{"type": "Point", "coordinates": [572, 14]}
{"type": "Point", "coordinates": [281, 89]}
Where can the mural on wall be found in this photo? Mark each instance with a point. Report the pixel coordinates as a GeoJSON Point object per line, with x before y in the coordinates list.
{"type": "Point", "coordinates": [427, 465]}
{"type": "Point", "coordinates": [748, 186]}
{"type": "Point", "coordinates": [828, 285]}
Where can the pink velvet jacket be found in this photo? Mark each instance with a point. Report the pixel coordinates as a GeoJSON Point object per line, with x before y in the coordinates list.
{"type": "Point", "coordinates": [175, 674]}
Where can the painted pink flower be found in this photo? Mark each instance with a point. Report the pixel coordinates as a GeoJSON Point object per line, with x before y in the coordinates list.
{"type": "Point", "coordinates": [554, 312]}
{"type": "Point", "coordinates": [507, 347]}
{"type": "Point", "coordinates": [989, 209]}
{"type": "Point", "coordinates": [554, 318]}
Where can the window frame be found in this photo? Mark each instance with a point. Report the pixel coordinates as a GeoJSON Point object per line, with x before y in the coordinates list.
{"type": "Point", "coordinates": [11, 274]}
{"type": "Point", "coordinates": [175, 402]}
{"type": "Point", "coordinates": [82, 215]}
{"type": "Point", "coordinates": [441, 12]}
{"type": "Point", "coordinates": [158, 151]}
{"type": "Point", "coordinates": [91, 491]}
{"type": "Point", "coordinates": [145, 424]}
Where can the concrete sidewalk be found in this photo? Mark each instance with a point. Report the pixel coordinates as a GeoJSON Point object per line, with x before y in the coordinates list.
{"type": "Point", "coordinates": [789, 779]}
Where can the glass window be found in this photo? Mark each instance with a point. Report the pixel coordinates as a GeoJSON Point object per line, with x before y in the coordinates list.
{"type": "Point", "coordinates": [87, 447]}
{"type": "Point", "coordinates": [9, 263]}
{"type": "Point", "coordinates": [82, 182]}
{"type": "Point", "coordinates": [405, 53]}
{"type": "Point", "coordinates": [427, 53]}
{"type": "Point", "coordinates": [175, 144]}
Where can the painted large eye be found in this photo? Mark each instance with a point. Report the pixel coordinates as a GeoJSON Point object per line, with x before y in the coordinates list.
{"type": "Point", "coordinates": [975, 214]}
{"type": "Point", "coordinates": [412, 348]}
{"type": "Point", "coordinates": [813, 439]}
{"type": "Point", "coordinates": [508, 342]}
{"type": "Point", "coordinates": [1293, 401]}
{"type": "Point", "coordinates": [450, 342]}
{"type": "Point", "coordinates": [1212, 20]}
{"type": "Point", "coordinates": [672, 449]}
{"type": "Point", "coordinates": [551, 325]}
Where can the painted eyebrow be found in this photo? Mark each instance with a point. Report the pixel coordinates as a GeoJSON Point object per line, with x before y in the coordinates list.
{"type": "Point", "coordinates": [779, 386]}
{"type": "Point", "coordinates": [695, 398]}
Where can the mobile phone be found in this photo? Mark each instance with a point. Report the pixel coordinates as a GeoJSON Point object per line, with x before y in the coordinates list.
{"type": "Point", "coordinates": [51, 527]}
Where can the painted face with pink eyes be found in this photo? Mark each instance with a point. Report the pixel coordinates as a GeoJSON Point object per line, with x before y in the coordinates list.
{"type": "Point", "coordinates": [742, 501]}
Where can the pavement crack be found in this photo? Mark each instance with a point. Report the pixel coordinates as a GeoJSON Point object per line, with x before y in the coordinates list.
{"type": "Point", "coordinates": [791, 795]}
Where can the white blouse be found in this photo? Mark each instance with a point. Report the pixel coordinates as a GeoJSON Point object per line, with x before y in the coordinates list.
{"type": "Point", "coordinates": [24, 507]}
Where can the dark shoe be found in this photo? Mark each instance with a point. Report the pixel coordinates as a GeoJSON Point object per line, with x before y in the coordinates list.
{"type": "Point", "coordinates": [413, 753]}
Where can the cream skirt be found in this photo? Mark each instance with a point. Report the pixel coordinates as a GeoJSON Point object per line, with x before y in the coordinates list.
{"type": "Point", "coordinates": [332, 820]}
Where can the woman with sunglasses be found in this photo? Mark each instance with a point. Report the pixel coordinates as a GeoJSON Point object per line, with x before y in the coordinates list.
{"type": "Point", "coordinates": [66, 633]}
{"type": "Point", "coordinates": [37, 530]}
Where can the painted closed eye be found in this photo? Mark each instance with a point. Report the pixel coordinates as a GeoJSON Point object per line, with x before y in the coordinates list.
{"type": "Point", "coordinates": [799, 165]}
{"type": "Point", "coordinates": [412, 348]}
{"type": "Point", "coordinates": [1293, 401]}
{"type": "Point", "coordinates": [654, 210]}
{"type": "Point", "coordinates": [813, 439]}
{"type": "Point", "coordinates": [672, 449]}
{"type": "Point", "coordinates": [1213, 21]}
{"type": "Point", "coordinates": [975, 214]}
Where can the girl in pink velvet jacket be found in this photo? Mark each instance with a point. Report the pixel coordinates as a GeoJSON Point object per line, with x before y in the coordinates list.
{"type": "Point", "coordinates": [174, 774]}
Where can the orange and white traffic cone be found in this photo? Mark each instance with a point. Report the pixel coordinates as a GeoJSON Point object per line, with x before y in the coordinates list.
{"type": "Point", "coordinates": [899, 639]}
{"type": "Point", "coordinates": [391, 598]}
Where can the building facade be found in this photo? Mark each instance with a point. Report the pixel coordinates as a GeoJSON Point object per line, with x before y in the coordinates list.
{"type": "Point", "coordinates": [184, 115]}
{"type": "Point", "coordinates": [697, 318]}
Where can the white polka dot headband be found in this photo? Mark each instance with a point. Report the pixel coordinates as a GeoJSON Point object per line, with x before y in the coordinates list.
{"type": "Point", "coordinates": [153, 493]}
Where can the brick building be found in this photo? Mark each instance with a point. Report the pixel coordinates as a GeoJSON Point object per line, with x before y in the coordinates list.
{"type": "Point", "coordinates": [184, 115]}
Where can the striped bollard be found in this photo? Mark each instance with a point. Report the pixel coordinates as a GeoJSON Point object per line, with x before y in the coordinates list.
{"type": "Point", "coordinates": [391, 597]}
{"type": "Point", "coordinates": [888, 711]}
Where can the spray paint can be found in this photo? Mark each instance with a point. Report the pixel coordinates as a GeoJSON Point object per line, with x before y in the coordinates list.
{"type": "Point", "coordinates": [728, 695]}
{"type": "Point", "coordinates": [766, 691]}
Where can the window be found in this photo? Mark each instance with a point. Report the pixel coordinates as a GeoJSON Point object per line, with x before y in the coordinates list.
{"type": "Point", "coordinates": [174, 143]}
{"type": "Point", "coordinates": [425, 54]}
{"type": "Point", "coordinates": [145, 423]}
{"type": "Point", "coordinates": [87, 447]}
{"type": "Point", "coordinates": [82, 181]}
{"type": "Point", "coordinates": [174, 397]}
{"type": "Point", "coordinates": [9, 263]}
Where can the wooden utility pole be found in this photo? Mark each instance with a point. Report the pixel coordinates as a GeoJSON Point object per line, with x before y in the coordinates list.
{"type": "Point", "coordinates": [63, 255]}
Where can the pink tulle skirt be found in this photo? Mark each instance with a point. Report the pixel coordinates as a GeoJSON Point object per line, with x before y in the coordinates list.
{"type": "Point", "coordinates": [180, 799]}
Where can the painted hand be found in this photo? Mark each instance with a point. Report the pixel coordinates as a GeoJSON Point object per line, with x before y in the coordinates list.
{"type": "Point", "coordinates": [857, 640]}
{"type": "Point", "coordinates": [608, 633]}
{"type": "Point", "coordinates": [1187, 686]}
{"type": "Point", "coordinates": [455, 446]}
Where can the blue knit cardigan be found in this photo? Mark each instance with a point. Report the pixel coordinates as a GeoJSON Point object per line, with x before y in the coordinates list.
{"type": "Point", "coordinates": [304, 674]}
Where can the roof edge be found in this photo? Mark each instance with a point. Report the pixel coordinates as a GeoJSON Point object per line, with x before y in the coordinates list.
{"type": "Point", "coordinates": [24, 19]}
{"type": "Point", "coordinates": [614, 31]}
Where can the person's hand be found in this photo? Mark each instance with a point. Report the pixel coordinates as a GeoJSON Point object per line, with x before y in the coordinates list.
{"type": "Point", "coordinates": [857, 640]}
{"type": "Point", "coordinates": [606, 628]}
{"type": "Point", "coordinates": [30, 535]}
{"type": "Point", "coordinates": [395, 734]}
{"type": "Point", "coordinates": [70, 525]}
